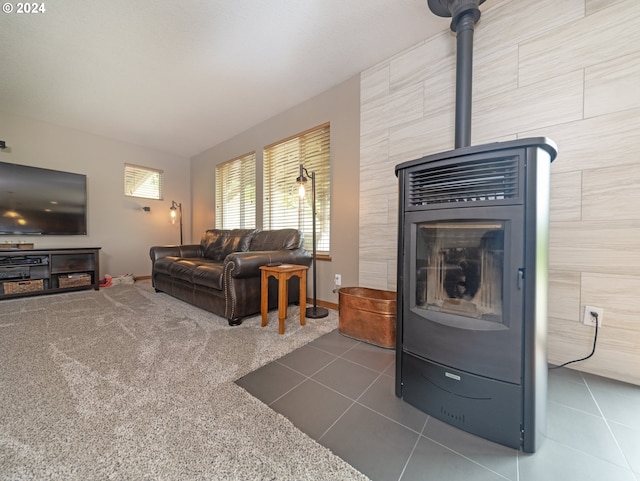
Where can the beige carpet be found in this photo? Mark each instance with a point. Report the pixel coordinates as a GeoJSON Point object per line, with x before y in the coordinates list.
{"type": "Point", "coordinates": [128, 384]}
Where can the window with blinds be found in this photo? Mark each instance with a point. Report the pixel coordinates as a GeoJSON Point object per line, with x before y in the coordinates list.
{"type": "Point", "coordinates": [283, 207]}
{"type": "Point", "coordinates": [236, 193]}
{"type": "Point", "coordinates": [143, 182]}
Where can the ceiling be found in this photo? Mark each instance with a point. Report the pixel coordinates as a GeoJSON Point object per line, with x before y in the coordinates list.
{"type": "Point", "coordinates": [184, 75]}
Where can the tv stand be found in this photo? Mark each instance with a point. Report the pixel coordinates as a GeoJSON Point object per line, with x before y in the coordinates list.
{"type": "Point", "coordinates": [32, 272]}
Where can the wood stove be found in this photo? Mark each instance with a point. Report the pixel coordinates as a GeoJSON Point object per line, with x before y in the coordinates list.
{"type": "Point", "coordinates": [472, 281]}
{"type": "Point", "coordinates": [472, 274]}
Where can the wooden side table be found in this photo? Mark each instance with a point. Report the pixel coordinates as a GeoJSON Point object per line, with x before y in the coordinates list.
{"type": "Point", "coordinates": [282, 273]}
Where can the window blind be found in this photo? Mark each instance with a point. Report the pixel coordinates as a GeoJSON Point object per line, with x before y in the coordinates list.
{"type": "Point", "coordinates": [236, 193]}
{"type": "Point", "coordinates": [283, 207]}
{"type": "Point", "coordinates": [143, 182]}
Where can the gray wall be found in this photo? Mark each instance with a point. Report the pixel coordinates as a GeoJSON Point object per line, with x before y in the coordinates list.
{"type": "Point", "coordinates": [116, 223]}
{"type": "Point", "coordinates": [341, 107]}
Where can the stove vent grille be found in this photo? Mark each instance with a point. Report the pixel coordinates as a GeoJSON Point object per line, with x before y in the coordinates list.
{"type": "Point", "coordinates": [483, 180]}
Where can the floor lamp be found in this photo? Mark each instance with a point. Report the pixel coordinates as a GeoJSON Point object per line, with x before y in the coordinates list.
{"type": "Point", "coordinates": [314, 312]}
{"type": "Point", "coordinates": [176, 206]}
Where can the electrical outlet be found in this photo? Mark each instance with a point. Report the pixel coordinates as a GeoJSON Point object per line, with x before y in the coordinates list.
{"type": "Point", "coordinates": [337, 280]}
{"type": "Point", "coordinates": [589, 319]}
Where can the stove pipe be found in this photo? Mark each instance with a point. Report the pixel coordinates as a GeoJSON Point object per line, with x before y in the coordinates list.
{"type": "Point", "coordinates": [464, 14]}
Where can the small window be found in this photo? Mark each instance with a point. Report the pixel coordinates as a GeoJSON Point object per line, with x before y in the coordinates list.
{"type": "Point", "coordinates": [143, 182]}
{"type": "Point", "coordinates": [236, 193]}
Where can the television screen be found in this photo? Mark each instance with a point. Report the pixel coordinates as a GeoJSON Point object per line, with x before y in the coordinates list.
{"type": "Point", "coordinates": [42, 201]}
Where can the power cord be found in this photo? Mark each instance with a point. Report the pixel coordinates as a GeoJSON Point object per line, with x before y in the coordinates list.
{"type": "Point", "coordinates": [595, 339]}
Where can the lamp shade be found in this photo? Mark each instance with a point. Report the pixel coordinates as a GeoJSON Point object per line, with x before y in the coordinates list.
{"type": "Point", "coordinates": [175, 213]}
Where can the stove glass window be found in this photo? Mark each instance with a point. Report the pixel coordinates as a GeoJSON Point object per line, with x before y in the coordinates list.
{"type": "Point", "coordinates": [460, 266]}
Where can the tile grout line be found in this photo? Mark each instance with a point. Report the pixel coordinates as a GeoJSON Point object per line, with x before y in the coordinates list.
{"type": "Point", "coordinates": [465, 457]}
{"type": "Point", "coordinates": [354, 401]}
{"type": "Point", "coordinates": [306, 378]}
{"type": "Point", "coordinates": [606, 423]}
{"type": "Point", "coordinates": [413, 450]}
{"type": "Point", "coordinates": [309, 377]}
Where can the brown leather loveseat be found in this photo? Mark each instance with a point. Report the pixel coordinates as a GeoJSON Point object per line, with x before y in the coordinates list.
{"type": "Point", "coordinates": [222, 273]}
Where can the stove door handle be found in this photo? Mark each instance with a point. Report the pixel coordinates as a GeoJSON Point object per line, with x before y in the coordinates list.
{"type": "Point", "coordinates": [520, 278]}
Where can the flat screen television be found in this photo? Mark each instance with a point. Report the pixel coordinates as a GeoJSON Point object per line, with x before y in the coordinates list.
{"type": "Point", "coordinates": [36, 201]}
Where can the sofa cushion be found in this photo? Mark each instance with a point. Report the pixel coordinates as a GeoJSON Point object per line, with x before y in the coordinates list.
{"type": "Point", "coordinates": [274, 240]}
{"type": "Point", "coordinates": [183, 269]}
{"type": "Point", "coordinates": [217, 243]}
{"type": "Point", "coordinates": [164, 264]}
{"type": "Point", "coordinates": [204, 272]}
{"type": "Point", "coordinates": [209, 275]}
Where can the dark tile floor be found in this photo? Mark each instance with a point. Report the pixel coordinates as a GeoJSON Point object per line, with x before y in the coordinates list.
{"type": "Point", "coordinates": [341, 393]}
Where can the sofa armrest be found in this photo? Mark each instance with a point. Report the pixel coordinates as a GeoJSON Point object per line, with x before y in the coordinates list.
{"type": "Point", "coordinates": [247, 264]}
{"type": "Point", "coordinates": [191, 250]}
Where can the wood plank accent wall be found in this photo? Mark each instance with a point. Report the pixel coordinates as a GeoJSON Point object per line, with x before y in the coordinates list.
{"type": "Point", "coordinates": [567, 70]}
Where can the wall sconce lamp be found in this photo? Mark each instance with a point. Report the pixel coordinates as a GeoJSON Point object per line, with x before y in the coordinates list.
{"type": "Point", "coordinates": [176, 211]}
{"type": "Point", "coordinates": [314, 312]}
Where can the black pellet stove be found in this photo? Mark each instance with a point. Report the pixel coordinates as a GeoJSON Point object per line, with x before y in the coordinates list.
{"type": "Point", "coordinates": [472, 273]}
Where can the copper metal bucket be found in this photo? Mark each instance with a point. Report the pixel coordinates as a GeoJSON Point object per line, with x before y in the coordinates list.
{"type": "Point", "coordinates": [368, 315]}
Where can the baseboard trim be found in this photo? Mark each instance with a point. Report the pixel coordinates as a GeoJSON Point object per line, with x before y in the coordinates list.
{"type": "Point", "coordinates": [142, 278]}
{"type": "Point", "coordinates": [328, 305]}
